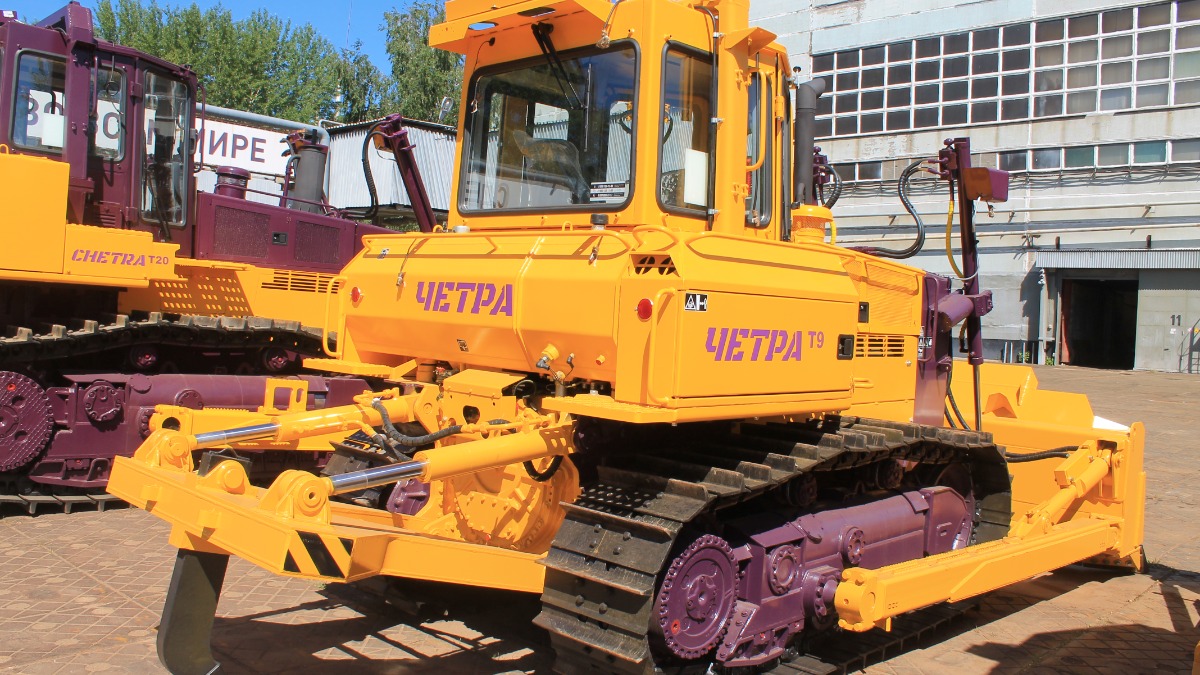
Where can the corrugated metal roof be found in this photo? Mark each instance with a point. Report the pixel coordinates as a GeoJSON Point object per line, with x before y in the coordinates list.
{"type": "Point", "coordinates": [1121, 259]}
{"type": "Point", "coordinates": [434, 148]}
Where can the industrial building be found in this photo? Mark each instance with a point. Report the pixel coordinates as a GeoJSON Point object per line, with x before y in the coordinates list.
{"type": "Point", "coordinates": [1092, 106]}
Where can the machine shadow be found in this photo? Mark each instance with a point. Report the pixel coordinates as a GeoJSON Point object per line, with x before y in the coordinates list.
{"type": "Point", "coordinates": [428, 627]}
{"type": "Point", "coordinates": [864, 650]}
{"type": "Point", "coordinates": [1127, 647]}
{"type": "Point", "coordinates": [423, 627]}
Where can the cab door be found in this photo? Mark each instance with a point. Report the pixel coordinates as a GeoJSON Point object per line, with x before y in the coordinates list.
{"type": "Point", "coordinates": [111, 159]}
{"type": "Point", "coordinates": [162, 182]}
{"type": "Point", "coordinates": [767, 165]}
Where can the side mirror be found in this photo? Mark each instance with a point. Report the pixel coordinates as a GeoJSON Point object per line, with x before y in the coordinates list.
{"type": "Point", "coordinates": [989, 185]}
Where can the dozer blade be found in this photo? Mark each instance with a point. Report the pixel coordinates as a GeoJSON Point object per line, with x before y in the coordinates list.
{"type": "Point", "coordinates": [187, 619]}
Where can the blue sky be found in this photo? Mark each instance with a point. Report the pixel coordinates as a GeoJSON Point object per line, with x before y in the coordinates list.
{"type": "Point", "coordinates": [364, 17]}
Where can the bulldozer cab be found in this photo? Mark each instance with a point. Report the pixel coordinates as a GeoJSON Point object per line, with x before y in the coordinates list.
{"type": "Point", "coordinates": [121, 120]}
{"type": "Point", "coordinates": [628, 115]}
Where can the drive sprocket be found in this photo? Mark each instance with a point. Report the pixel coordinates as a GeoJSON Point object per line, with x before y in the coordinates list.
{"type": "Point", "coordinates": [26, 421]}
{"type": "Point", "coordinates": [697, 596]}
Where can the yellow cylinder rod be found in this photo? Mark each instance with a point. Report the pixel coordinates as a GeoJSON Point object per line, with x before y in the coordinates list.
{"type": "Point", "coordinates": [360, 415]}
{"type": "Point", "coordinates": [1079, 484]}
{"type": "Point", "coordinates": [454, 460]}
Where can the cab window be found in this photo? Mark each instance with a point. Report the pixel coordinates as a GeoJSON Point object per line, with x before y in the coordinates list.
{"type": "Point", "coordinates": [547, 134]}
{"type": "Point", "coordinates": [164, 165]}
{"type": "Point", "coordinates": [759, 139]}
{"type": "Point", "coordinates": [684, 131]}
{"type": "Point", "coordinates": [108, 139]}
{"type": "Point", "coordinates": [39, 113]}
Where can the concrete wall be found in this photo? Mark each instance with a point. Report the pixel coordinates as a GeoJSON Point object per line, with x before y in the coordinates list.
{"type": "Point", "coordinates": [1168, 320]}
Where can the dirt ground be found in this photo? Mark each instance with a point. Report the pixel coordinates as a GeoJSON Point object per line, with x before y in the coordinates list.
{"type": "Point", "coordinates": [83, 592]}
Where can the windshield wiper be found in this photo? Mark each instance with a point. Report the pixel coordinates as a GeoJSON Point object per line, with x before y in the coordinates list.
{"type": "Point", "coordinates": [541, 33]}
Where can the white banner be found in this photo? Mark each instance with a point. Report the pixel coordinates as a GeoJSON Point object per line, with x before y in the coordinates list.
{"type": "Point", "coordinates": [245, 147]}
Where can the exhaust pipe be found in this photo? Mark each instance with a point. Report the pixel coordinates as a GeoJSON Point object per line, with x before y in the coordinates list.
{"type": "Point", "coordinates": [807, 94]}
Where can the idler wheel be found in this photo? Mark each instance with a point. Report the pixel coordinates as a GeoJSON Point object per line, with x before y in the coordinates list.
{"type": "Point", "coordinates": [26, 421]}
{"type": "Point", "coordinates": [696, 597]}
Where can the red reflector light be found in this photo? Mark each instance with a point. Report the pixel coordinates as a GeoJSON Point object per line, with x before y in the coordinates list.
{"type": "Point", "coordinates": [356, 295]}
{"type": "Point", "coordinates": [645, 309]}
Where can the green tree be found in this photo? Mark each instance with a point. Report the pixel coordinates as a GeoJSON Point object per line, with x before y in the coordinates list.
{"type": "Point", "coordinates": [262, 63]}
{"type": "Point", "coordinates": [423, 75]}
{"type": "Point", "coordinates": [365, 92]}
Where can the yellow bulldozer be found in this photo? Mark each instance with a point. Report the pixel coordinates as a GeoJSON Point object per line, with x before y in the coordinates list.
{"type": "Point", "coordinates": [636, 374]}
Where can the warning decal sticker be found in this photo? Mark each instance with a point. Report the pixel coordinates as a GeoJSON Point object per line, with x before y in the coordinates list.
{"type": "Point", "coordinates": [696, 302]}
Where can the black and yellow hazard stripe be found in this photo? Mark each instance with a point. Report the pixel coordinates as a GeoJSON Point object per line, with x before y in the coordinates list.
{"type": "Point", "coordinates": [318, 555]}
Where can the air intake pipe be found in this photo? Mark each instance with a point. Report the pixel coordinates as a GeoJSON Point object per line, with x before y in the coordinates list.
{"type": "Point", "coordinates": [307, 168]}
{"type": "Point", "coordinates": [807, 94]}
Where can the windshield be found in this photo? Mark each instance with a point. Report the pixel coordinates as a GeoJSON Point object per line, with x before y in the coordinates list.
{"type": "Point", "coordinates": [551, 134]}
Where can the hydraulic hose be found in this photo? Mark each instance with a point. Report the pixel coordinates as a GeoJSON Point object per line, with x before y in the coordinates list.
{"type": "Point", "coordinates": [548, 473]}
{"type": "Point", "coordinates": [371, 212]}
{"type": "Point", "coordinates": [837, 188]}
{"type": "Point", "coordinates": [1062, 452]}
{"type": "Point", "coordinates": [902, 187]}
{"type": "Point", "coordinates": [953, 403]}
{"type": "Point", "coordinates": [410, 441]}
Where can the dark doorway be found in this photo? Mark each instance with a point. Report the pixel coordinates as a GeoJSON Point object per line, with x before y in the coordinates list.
{"type": "Point", "coordinates": [1099, 323]}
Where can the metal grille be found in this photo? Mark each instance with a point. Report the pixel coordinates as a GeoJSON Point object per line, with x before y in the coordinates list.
{"type": "Point", "coordinates": [645, 264]}
{"type": "Point", "coordinates": [316, 243]}
{"type": "Point", "coordinates": [879, 346]}
{"type": "Point", "coordinates": [305, 282]}
{"type": "Point", "coordinates": [240, 233]}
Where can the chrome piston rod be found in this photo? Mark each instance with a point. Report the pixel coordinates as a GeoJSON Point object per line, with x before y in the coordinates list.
{"type": "Point", "coordinates": [376, 476]}
{"type": "Point", "coordinates": [211, 438]}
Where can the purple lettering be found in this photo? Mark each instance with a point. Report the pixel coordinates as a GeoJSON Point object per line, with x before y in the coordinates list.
{"type": "Point", "coordinates": [103, 257]}
{"type": "Point", "coordinates": [216, 143]}
{"type": "Point", "coordinates": [484, 297]}
{"type": "Point", "coordinates": [423, 294]}
{"type": "Point", "coordinates": [778, 342]}
{"type": "Point", "coordinates": [793, 349]}
{"type": "Point", "coordinates": [75, 254]}
{"type": "Point", "coordinates": [90, 256]}
{"type": "Point", "coordinates": [141, 261]}
{"type": "Point", "coordinates": [718, 348]}
{"type": "Point", "coordinates": [441, 303]}
{"type": "Point", "coordinates": [257, 150]}
{"type": "Point", "coordinates": [733, 351]}
{"type": "Point", "coordinates": [110, 125]}
{"type": "Point", "coordinates": [759, 335]}
{"type": "Point", "coordinates": [240, 142]}
{"type": "Point", "coordinates": [463, 289]}
{"type": "Point", "coordinates": [504, 302]}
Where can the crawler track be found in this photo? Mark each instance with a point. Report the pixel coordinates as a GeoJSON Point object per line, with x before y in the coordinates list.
{"type": "Point", "coordinates": [605, 563]}
{"type": "Point", "coordinates": [60, 503]}
{"type": "Point", "coordinates": [184, 341]}
{"type": "Point", "coordinates": [30, 346]}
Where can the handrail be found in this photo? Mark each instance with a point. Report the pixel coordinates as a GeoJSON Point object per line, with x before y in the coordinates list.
{"type": "Point", "coordinates": [654, 319]}
{"type": "Point", "coordinates": [762, 135]}
{"type": "Point", "coordinates": [335, 283]}
{"type": "Point", "coordinates": [654, 228]}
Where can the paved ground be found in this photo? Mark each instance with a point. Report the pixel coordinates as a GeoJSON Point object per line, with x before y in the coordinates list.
{"type": "Point", "coordinates": [82, 592]}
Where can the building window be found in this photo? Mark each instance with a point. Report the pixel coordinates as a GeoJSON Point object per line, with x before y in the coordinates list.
{"type": "Point", "coordinates": [1122, 59]}
{"type": "Point", "coordinates": [1013, 161]}
{"type": "Point", "coordinates": [1152, 152]}
{"type": "Point", "coordinates": [1047, 158]}
{"type": "Point", "coordinates": [1112, 155]}
{"type": "Point", "coordinates": [1185, 151]}
{"type": "Point", "coordinates": [1080, 158]}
